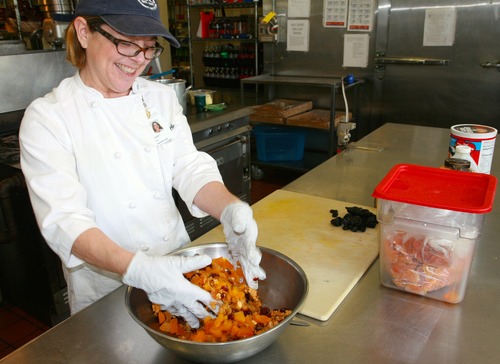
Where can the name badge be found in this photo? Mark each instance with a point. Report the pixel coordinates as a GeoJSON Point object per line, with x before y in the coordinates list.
{"type": "Point", "coordinates": [163, 131]}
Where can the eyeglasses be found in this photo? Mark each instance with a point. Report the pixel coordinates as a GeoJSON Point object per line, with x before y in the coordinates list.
{"type": "Point", "coordinates": [130, 49]}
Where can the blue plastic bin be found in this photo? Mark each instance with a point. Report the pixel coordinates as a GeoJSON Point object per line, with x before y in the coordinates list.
{"type": "Point", "coordinates": [279, 143]}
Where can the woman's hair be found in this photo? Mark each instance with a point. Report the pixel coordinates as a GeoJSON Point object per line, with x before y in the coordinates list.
{"type": "Point", "coordinates": [75, 53]}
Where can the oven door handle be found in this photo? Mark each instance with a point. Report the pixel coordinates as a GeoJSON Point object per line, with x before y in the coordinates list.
{"type": "Point", "coordinates": [238, 141]}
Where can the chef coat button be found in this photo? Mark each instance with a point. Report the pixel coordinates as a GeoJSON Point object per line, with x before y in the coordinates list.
{"type": "Point", "coordinates": [94, 104]}
{"type": "Point", "coordinates": [132, 205]}
{"type": "Point", "coordinates": [157, 194]}
{"type": "Point", "coordinates": [166, 238]}
{"type": "Point", "coordinates": [147, 148]}
{"type": "Point", "coordinates": [144, 247]}
{"type": "Point", "coordinates": [118, 155]}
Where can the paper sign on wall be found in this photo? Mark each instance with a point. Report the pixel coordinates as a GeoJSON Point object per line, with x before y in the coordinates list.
{"type": "Point", "coordinates": [299, 8]}
{"type": "Point", "coordinates": [297, 35]}
{"type": "Point", "coordinates": [335, 13]}
{"type": "Point", "coordinates": [360, 15]}
{"type": "Point", "coordinates": [356, 48]}
{"type": "Point", "coordinates": [439, 26]}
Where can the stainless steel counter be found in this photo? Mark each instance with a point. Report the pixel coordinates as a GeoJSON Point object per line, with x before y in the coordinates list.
{"type": "Point", "coordinates": [373, 325]}
{"type": "Point", "coordinates": [199, 121]}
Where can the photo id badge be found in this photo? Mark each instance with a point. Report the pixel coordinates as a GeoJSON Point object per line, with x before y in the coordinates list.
{"type": "Point", "coordinates": [163, 131]}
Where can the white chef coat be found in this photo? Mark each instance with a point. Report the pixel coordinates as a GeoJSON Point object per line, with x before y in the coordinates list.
{"type": "Point", "coordinates": [91, 161]}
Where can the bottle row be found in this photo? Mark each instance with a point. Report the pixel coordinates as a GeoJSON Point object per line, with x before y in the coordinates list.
{"type": "Point", "coordinates": [229, 51]}
{"type": "Point", "coordinates": [225, 27]}
{"type": "Point", "coordinates": [205, 2]}
{"type": "Point", "coordinates": [229, 56]}
{"type": "Point", "coordinates": [232, 73]}
{"type": "Point", "coordinates": [226, 76]}
{"type": "Point", "coordinates": [231, 28]}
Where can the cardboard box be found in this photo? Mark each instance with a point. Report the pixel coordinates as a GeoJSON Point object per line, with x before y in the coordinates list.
{"type": "Point", "coordinates": [283, 108]}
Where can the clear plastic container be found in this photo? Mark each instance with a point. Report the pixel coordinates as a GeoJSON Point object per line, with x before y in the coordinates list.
{"type": "Point", "coordinates": [430, 222]}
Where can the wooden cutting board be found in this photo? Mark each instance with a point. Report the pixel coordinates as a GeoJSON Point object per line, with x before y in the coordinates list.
{"type": "Point", "coordinates": [333, 259]}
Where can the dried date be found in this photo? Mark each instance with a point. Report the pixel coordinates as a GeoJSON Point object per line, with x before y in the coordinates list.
{"type": "Point", "coordinates": [356, 219]}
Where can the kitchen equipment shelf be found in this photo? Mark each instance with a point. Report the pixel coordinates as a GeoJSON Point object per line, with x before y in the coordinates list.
{"type": "Point", "coordinates": [246, 12]}
{"type": "Point", "coordinates": [243, 4]}
{"type": "Point", "coordinates": [334, 84]}
{"type": "Point", "coordinates": [177, 18]}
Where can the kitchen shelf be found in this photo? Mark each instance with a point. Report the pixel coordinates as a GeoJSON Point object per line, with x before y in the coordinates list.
{"type": "Point", "coordinates": [177, 17]}
{"type": "Point", "coordinates": [222, 40]}
{"type": "Point", "coordinates": [333, 84]}
{"type": "Point", "coordinates": [241, 5]}
{"type": "Point", "coordinates": [198, 46]}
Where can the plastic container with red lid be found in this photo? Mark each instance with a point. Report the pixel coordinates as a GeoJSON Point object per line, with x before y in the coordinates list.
{"type": "Point", "coordinates": [431, 219]}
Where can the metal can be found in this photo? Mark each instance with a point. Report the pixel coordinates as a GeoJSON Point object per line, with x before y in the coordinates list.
{"type": "Point", "coordinates": [480, 138]}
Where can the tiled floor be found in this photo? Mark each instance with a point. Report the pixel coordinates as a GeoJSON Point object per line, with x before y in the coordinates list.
{"type": "Point", "coordinates": [272, 180]}
{"type": "Point", "coordinates": [17, 327]}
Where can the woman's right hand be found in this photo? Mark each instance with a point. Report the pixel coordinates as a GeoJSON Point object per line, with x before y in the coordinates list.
{"type": "Point", "coordinates": [161, 277]}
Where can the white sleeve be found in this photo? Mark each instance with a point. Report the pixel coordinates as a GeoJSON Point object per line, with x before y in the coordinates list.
{"type": "Point", "coordinates": [58, 199]}
{"type": "Point", "coordinates": [192, 169]}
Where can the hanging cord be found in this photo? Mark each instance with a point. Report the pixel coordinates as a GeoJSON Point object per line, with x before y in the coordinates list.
{"type": "Point", "coordinates": [346, 119]}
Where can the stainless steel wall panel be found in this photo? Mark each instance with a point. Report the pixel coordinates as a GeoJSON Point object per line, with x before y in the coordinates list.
{"type": "Point", "coordinates": [462, 91]}
{"type": "Point", "coordinates": [27, 76]}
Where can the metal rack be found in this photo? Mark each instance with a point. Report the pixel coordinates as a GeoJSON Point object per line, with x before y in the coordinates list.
{"type": "Point", "coordinates": [333, 84]}
{"type": "Point", "coordinates": [193, 39]}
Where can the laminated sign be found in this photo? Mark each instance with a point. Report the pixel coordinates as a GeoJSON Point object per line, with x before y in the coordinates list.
{"type": "Point", "coordinates": [298, 35]}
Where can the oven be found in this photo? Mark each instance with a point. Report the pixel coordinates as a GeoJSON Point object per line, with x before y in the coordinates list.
{"type": "Point", "coordinates": [31, 276]}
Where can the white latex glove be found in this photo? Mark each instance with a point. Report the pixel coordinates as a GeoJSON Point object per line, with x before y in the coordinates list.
{"type": "Point", "coordinates": [241, 233]}
{"type": "Point", "coordinates": [161, 277]}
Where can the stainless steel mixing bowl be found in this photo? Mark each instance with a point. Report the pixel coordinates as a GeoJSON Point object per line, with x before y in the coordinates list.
{"type": "Point", "coordinates": [285, 287]}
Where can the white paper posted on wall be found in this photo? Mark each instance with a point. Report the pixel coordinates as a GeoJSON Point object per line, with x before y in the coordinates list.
{"type": "Point", "coordinates": [298, 35]}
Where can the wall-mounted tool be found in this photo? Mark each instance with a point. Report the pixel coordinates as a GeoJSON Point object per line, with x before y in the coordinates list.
{"type": "Point", "coordinates": [345, 126]}
{"type": "Point", "coordinates": [344, 134]}
{"type": "Point", "coordinates": [269, 28]}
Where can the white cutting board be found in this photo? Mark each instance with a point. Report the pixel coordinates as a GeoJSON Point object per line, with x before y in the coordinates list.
{"type": "Point", "coordinates": [298, 226]}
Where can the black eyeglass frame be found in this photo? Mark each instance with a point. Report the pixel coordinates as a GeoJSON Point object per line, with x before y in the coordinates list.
{"type": "Point", "coordinates": [117, 41]}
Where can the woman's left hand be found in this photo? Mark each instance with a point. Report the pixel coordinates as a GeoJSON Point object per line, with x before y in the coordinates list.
{"type": "Point", "coordinates": [241, 233]}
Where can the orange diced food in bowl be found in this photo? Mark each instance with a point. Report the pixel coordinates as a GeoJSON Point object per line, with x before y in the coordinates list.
{"type": "Point", "coordinates": [241, 314]}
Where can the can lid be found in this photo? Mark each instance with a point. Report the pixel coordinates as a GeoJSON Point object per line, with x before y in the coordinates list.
{"type": "Point", "coordinates": [439, 188]}
{"type": "Point", "coordinates": [474, 131]}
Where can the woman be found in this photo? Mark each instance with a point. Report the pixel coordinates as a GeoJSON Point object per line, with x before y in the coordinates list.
{"type": "Point", "coordinates": [100, 178]}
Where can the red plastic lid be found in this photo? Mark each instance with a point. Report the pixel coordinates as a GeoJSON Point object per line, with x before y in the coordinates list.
{"type": "Point", "coordinates": [439, 188]}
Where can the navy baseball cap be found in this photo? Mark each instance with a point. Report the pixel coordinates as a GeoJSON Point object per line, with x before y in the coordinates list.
{"type": "Point", "coordinates": [129, 17]}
